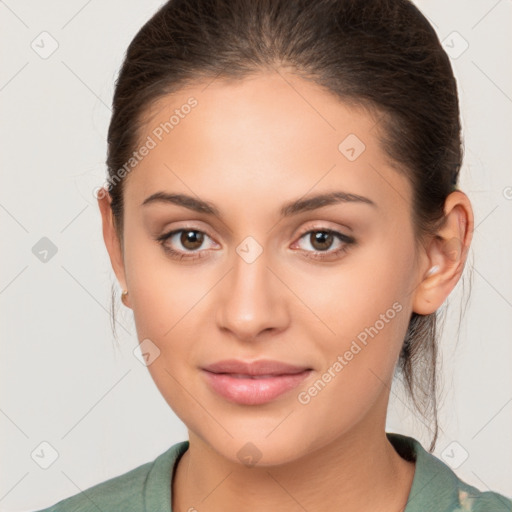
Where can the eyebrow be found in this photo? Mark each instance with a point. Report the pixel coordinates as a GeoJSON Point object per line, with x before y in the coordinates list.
{"type": "Point", "coordinates": [287, 210]}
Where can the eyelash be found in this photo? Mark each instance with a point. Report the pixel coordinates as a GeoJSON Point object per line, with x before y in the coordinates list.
{"type": "Point", "coordinates": [317, 255]}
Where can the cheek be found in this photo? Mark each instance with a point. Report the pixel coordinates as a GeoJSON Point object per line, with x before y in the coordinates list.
{"type": "Point", "coordinates": [162, 292]}
{"type": "Point", "coordinates": [369, 291]}
{"type": "Point", "coordinates": [365, 311]}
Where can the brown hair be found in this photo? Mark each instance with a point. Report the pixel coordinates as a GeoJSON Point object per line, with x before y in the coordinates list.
{"type": "Point", "coordinates": [382, 55]}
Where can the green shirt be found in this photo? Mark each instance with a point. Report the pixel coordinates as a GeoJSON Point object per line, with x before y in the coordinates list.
{"type": "Point", "coordinates": [147, 488]}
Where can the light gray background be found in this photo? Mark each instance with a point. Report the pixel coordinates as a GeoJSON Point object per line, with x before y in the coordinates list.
{"type": "Point", "coordinates": [62, 380]}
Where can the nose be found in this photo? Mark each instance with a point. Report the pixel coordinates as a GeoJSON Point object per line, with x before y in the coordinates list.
{"type": "Point", "coordinates": [253, 300]}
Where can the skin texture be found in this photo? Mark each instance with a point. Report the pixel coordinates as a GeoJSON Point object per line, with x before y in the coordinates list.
{"type": "Point", "coordinates": [249, 147]}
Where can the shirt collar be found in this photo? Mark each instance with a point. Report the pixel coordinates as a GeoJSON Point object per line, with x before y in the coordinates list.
{"type": "Point", "coordinates": [157, 489]}
{"type": "Point", "coordinates": [435, 485]}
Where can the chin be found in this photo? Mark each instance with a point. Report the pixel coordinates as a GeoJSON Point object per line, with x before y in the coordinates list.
{"type": "Point", "coordinates": [258, 450]}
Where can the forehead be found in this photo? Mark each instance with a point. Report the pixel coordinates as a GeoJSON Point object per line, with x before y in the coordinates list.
{"type": "Point", "coordinates": [269, 135]}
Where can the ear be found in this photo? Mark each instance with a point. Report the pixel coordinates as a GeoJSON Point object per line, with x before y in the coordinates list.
{"type": "Point", "coordinates": [447, 250]}
{"type": "Point", "coordinates": [112, 242]}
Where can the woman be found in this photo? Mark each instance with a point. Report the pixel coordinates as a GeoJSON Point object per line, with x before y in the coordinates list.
{"type": "Point", "coordinates": [283, 217]}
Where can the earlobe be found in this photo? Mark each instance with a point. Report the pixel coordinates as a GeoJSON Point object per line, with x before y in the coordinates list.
{"type": "Point", "coordinates": [446, 255]}
{"type": "Point", "coordinates": [111, 238]}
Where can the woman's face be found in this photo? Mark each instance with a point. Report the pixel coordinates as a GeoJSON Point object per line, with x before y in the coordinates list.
{"type": "Point", "coordinates": [326, 286]}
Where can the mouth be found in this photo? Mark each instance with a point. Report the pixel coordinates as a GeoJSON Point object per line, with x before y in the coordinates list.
{"type": "Point", "coordinates": [253, 383]}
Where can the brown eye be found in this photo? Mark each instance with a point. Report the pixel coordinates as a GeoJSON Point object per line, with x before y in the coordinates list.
{"type": "Point", "coordinates": [186, 243]}
{"type": "Point", "coordinates": [321, 240]}
{"type": "Point", "coordinates": [323, 244]}
{"type": "Point", "coordinates": [191, 239]}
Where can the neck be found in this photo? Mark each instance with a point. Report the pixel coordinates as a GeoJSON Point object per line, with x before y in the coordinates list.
{"type": "Point", "coordinates": [358, 471]}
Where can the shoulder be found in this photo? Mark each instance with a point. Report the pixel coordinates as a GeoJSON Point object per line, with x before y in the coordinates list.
{"type": "Point", "coordinates": [122, 490]}
{"type": "Point", "coordinates": [128, 491]}
{"type": "Point", "coordinates": [437, 487]}
{"type": "Point", "coordinates": [474, 500]}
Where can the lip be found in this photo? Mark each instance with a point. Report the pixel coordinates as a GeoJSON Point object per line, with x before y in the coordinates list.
{"type": "Point", "coordinates": [259, 367]}
{"type": "Point", "coordinates": [253, 383]}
